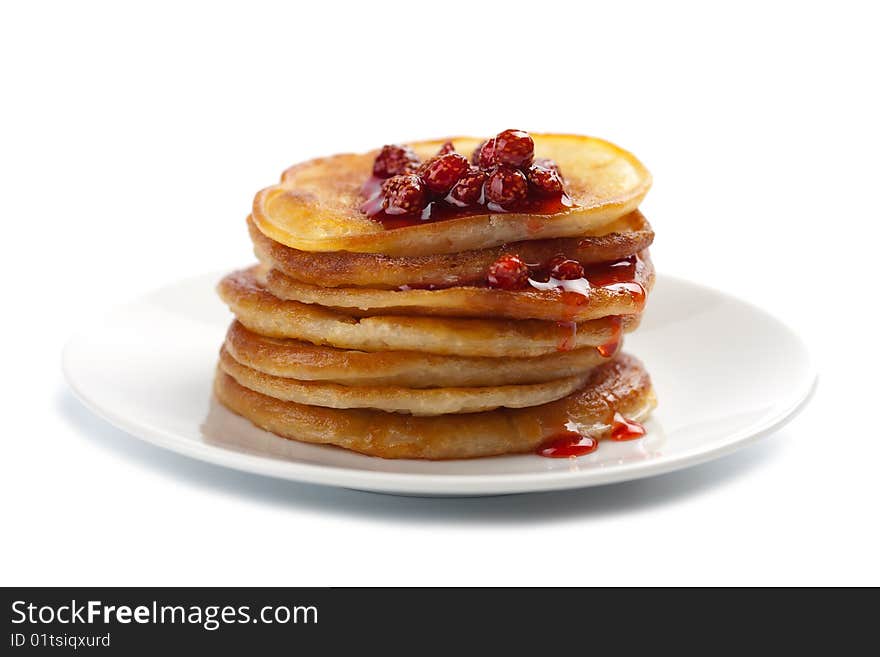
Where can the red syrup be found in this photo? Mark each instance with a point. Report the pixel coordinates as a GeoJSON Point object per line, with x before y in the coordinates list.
{"type": "Point", "coordinates": [571, 301]}
{"type": "Point", "coordinates": [635, 291]}
{"type": "Point", "coordinates": [567, 444]}
{"type": "Point", "coordinates": [624, 429]}
{"type": "Point", "coordinates": [610, 348]}
{"type": "Point", "coordinates": [608, 273]}
{"type": "Point", "coordinates": [567, 337]}
{"type": "Point", "coordinates": [617, 276]}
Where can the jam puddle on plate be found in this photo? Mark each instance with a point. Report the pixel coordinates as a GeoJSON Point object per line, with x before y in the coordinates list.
{"type": "Point", "coordinates": [570, 443]}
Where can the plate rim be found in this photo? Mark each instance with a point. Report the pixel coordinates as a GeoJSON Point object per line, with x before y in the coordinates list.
{"type": "Point", "coordinates": [446, 484]}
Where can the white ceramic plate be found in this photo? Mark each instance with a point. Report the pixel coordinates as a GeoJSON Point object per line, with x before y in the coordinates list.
{"type": "Point", "coordinates": [725, 372]}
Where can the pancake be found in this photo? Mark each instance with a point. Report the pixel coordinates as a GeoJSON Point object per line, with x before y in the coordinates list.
{"type": "Point", "coordinates": [473, 301]}
{"type": "Point", "coordinates": [629, 234]}
{"type": "Point", "coordinates": [295, 359]}
{"type": "Point", "coordinates": [267, 315]}
{"type": "Point", "coordinates": [316, 206]}
{"type": "Point", "coordinates": [620, 385]}
{"type": "Point", "coordinates": [430, 401]}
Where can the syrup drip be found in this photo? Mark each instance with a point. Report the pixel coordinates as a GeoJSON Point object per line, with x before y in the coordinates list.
{"type": "Point", "coordinates": [635, 291]}
{"type": "Point", "coordinates": [567, 444]}
{"type": "Point", "coordinates": [608, 273]}
{"type": "Point", "coordinates": [575, 293]}
{"type": "Point", "coordinates": [617, 276]}
{"type": "Point", "coordinates": [571, 301]}
{"type": "Point", "coordinates": [623, 429]}
{"type": "Point", "coordinates": [610, 348]}
{"type": "Point", "coordinates": [568, 335]}
{"type": "Point", "coordinates": [572, 289]}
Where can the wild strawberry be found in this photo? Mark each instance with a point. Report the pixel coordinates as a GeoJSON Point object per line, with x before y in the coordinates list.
{"type": "Point", "coordinates": [448, 147]}
{"type": "Point", "coordinates": [395, 160]}
{"type": "Point", "coordinates": [509, 272]}
{"type": "Point", "coordinates": [404, 195]}
{"type": "Point", "coordinates": [547, 163]}
{"type": "Point", "coordinates": [442, 172]}
{"type": "Point", "coordinates": [468, 190]}
{"type": "Point", "coordinates": [544, 181]}
{"type": "Point", "coordinates": [506, 186]}
{"type": "Point", "coordinates": [565, 269]}
{"type": "Point", "coordinates": [483, 154]}
{"type": "Point", "coordinates": [514, 148]}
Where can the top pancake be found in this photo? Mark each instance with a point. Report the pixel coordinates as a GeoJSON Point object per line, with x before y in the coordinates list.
{"type": "Point", "coordinates": [316, 206]}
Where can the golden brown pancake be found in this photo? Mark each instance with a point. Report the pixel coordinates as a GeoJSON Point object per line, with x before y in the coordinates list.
{"type": "Point", "coordinates": [473, 301]}
{"type": "Point", "coordinates": [317, 205]}
{"type": "Point", "coordinates": [295, 359]}
{"type": "Point", "coordinates": [629, 234]}
{"type": "Point", "coordinates": [264, 313]}
{"type": "Point", "coordinates": [620, 385]}
{"type": "Point", "coordinates": [396, 399]}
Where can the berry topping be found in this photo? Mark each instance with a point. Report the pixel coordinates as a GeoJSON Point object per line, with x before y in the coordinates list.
{"type": "Point", "coordinates": [509, 272]}
{"type": "Point", "coordinates": [503, 176]}
{"type": "Point", "coordinates": [442, 172]}
{"type": "Point", "coordinates": [544, 181]}
{"type": "Point", "coordinates": [468, 190]}
{"type": "Point", "coordinates": [394, 160]}
{"type": "Point", "coordinates": [483, 156]}
{"type": "Point", "coordinates": [506, 186]}
{"type": "Point", "coordinates": [514, 148]}
{"type": "Point", "coordinates": [404, 195]}
{"type": "Point", "coordinates": [563, 269]}
{"type": "Point", "coordinates": [547, 163]}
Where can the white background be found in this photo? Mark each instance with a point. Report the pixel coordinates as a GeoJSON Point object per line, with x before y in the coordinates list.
{"type": "Point", "coordinates": [133, 139]}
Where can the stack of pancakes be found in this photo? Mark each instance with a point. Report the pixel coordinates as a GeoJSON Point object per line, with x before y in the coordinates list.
{"type": "Point", "coordinates": [389, 342]}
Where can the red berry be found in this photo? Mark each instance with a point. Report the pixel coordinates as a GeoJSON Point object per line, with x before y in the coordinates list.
{"type": "Point", "coordinates": [509, 272]}
{"type": "Point", "coordinates": [566, 270]}
{"type": "Point", "coordinates": [395, 160]}
{"type": "Point", "coordinates": [506, 186]}
{"type": "Point", "coordinates": [468, 190]}
{"type": "Point", "coordinates": [484, 154]}
{"type": "Point", "coordinates": [547, 163]}
{"type": "Point", "coordinates": [514, 148]}
{"type": "Point", "coordinates": [545, 182]}
{"type": "Point", "coordinates": [404, 195]}
{"type": "Point", "coordinates": [448, 147]}
{"type": "Point", "coordinates": [442, 172]}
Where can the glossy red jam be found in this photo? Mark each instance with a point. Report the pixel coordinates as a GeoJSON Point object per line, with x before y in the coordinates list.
{"type": "Point", "coordinates": [567, 444]}
{"type": "Point", "coordinates": [624, 429]}
{"type": "Point", "coordinates": [504, 178]}
{"type": "Point", "coordinates": [617, 276]}
{"type": "Point", "coordinates": [567, 336]}
{"type": "Point", "coordinates": [608, 273]}
{"type": "Point", "coordinates": [610, 348]}
{"type": "Point", "coordinates": [440, 210]}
